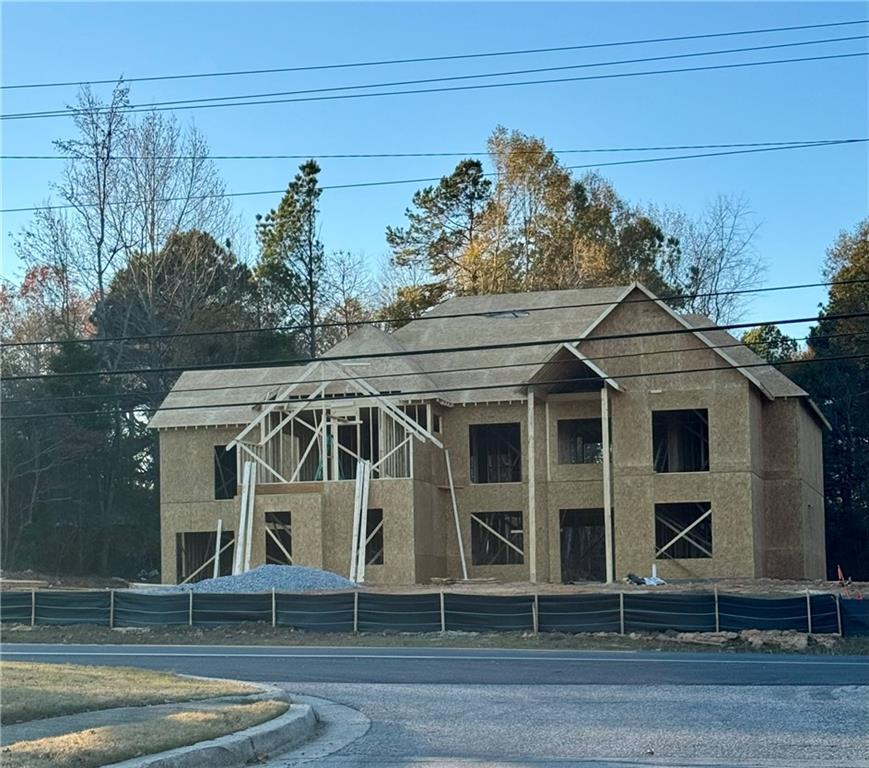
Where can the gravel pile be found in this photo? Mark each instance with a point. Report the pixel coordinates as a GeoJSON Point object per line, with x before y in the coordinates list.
{"type": "Point", "coordinates": [265, 578]}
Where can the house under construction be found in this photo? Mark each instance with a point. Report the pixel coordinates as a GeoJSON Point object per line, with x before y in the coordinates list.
{"type": "Point", "coordinates": [555, 436]}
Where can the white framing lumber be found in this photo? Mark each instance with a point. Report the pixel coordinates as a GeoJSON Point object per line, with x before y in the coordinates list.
{"type": "Point", "coordinates": [288, 417]}
{"type": "Point", "coordinates": [357, 503]}
{"type": "Point", "coordinates": [238, 557]}
{"type": "Point", "coordinates": [684, 531]}
{"type": "Point", "coordinates": [205, 564]}
{"type": "Point", "coordinates": [376, 467]}
{"type": "Point", "coordinates": [279, 399]}
{"type": "Point", "coordinates": [496, 534]}
{"type": "Point", "coordinates": [456, 514]}
{"type": "Point", "coordinates": [400, 416]}
{"type": "Point", "coordinates": [363, 523]}
{"type": "Point", "coordinates": [607, 482]}
{"type": "Point", "coordinates": [277, 541]}
{"type": "Point", "coordinates": [307, 450]}
{"type": "Point", "coordinates": [675, 529]}
{"type": "Point", "coordinates": [532, 497]}
{"type": "Point", "coordinates": [262, 461]}
{"type": "Point", "coordinates": [248, 537]}
{"type": "Point", "coordinates": [217, 548]}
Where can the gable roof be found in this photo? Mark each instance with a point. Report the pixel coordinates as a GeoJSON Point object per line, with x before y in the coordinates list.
{"type": "Point", "coordinates": [433, 357]}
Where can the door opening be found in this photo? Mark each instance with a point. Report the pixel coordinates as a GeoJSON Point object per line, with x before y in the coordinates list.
{"type": "Point", "coordinates": [583, 547]}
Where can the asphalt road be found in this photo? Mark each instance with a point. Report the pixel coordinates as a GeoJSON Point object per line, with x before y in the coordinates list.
{"type": "Point", "coordinates": [433, 708]}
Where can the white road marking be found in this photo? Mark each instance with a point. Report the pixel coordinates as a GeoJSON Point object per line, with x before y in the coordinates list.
{"type": "Point", "coordinates": [434, 657]}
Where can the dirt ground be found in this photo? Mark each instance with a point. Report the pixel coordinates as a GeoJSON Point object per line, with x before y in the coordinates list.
{"type": "Point", "coordinates": [262, 634]}
{"type": "Point", "coordinates": [26, 580]}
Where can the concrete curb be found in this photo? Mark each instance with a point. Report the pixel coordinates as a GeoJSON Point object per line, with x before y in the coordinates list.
{"type": "Point", "coordinates": [241, 748]}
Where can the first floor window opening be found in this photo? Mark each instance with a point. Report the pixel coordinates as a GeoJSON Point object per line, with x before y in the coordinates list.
{"type": "Point", "coordinates": [496, 455]}
{"type": "Point", "coordinates": [225, 472]}
{"type": "Point", "coordinates": [374, 538]}
{"type": "Point", "coordinates": [580, 441]}
{"type": "Point", "coordinates": [497, 538]}
{"type": "Point", "coordinates": [194, 554]}
{"type": "Point", "coordinates": [279, 538]}
{"type": "Point", "coordinates": [683, 530]}
{"type": "Point", "coordinates": [680, 440]}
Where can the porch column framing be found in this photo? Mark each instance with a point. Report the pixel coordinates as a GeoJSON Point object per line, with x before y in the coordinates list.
{"type": "Point", "coordinates": [607, 481]}
{"type": "Point", "coordinates": [532, 492]}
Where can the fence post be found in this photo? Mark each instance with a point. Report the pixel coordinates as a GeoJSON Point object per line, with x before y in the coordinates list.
{"type": "Point", "coordinates": [443, 614]}
{"type": "Point", "coordinates": [621, 613]}
{"type": "Point", "coordinates": [808, 611]}
{"type": "Point", "coordinates": [32, 607]}
{"type": "Point", "coordinates": [355, 611]}
{"type": "Point", "coordinates": [717, 617]}
{"type": "Point", "coordinates": [111, 609]}
{"type": "Point", "coordinates": [274, 612]}
{"type": "Point", "coordinates": [190, 609]}
{"type": "Point", "coordinates": [535, 613]}
{"type": "Point", "coordinates": [839, 615]}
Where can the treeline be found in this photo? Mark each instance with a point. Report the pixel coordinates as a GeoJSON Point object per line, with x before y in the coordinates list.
{"type": "Point", "coordinates": [144, 270]}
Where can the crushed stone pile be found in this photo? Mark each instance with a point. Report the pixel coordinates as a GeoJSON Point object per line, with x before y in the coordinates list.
{"type": "Point", "coordinates": [265, 578]}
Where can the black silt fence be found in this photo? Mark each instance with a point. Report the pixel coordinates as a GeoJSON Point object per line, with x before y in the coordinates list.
{"type": "Point", "coordinates": [579, 613]}
{"type": "Point", "coordinates": [431, 612]}
{"type": "Point", "coordinates": [212, 610]}
{"type": "Point", "coordinates": [315, 613]}
{"type": "Point", "coordinates": [137, 610]}
{"type": "Point", "coordinates": [738, 612]}
{"type": "Point", "coordinates": [73, 608]}
{"type": "Point", "coordinates": [16, 607]}
{"type": "Point", "coordinates": [399, 613]}
{"type": "Point", "coordinates": [481, 613]}
{"type": "Point", "coordinates": [855, 617]}
{"type": "Point", "coordinates": [662, 612]}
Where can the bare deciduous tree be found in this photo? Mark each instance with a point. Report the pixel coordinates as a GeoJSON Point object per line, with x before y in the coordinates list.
{"type": "Point", "coordinates": [717, 255]}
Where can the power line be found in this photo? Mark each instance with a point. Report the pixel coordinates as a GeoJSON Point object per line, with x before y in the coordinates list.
{"type": "Point", "coordinates": [455, 88]}
{"type": "Point", "coordinates": [431, 350]}
{"type": "Point", "coordinates": [141, 393]}
{"type": "Point", "coordinates": [439, 390]}
{"type": "Point", "coordinates": [423, 59]}
{"type": "Point", "coordinates": [213, 100]}
{"type": "Point", "coordinates": [475, 153]}
{"type": "Point", "coordinates": [452, 315]}
{"type": "Point", "coordinates": [434, 179]}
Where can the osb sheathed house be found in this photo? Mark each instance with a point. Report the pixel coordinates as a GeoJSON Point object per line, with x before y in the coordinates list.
{"type": "Point", "coordinates": [553, 436]}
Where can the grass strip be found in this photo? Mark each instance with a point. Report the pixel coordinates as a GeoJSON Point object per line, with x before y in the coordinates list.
{"type": "Point", "coordinates": [111, 744]}
{"type": "Point", "coordinates": [32, 691]}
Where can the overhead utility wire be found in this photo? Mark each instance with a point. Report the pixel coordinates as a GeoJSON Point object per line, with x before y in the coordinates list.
{"type": "Point", "coordinates": [434, 179]}
{"type": "Point", "coordinates": [451, 315]}
{"type": "Point", "coordinates": [432, 350]}
{"type": "Point", "coordinates": [447, 57]}
{"type": "Point", "coordinates": [140, 393]}
{"type": "Point", "coordinates": [475, 153]}
{"type": "Point", "coordinates": [453, 88]}
{"type": "Point", "coordinates": [213, 100]}
{"type": "Point", "coordinates": [435, 391]}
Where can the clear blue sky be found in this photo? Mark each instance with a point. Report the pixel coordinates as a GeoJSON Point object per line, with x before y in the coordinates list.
{"type": "Point", "coordinates": [802, 199]}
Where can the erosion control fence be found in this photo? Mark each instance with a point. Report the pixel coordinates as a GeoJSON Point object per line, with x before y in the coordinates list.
{"type": "Point", "coordinates": [444, 611]}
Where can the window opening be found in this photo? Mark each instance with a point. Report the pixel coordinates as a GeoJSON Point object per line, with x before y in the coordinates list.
{"type": "Point", "coordinates": [580, 441]}
{"type": "Point", "coordinates": [497, 538]}
{"type": "Point", "coordinates": [374, 538]}
{"type": "Point", "coordinates": [680, 440]}
{"type": "Point", "coordinates": [279, 538]}
{"type": "Point", "coordinates": [496, 455]}
{"type": "Point", "coordinates": [225, 472]}
{"type": "Point", "coordinates": [683, 530]}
